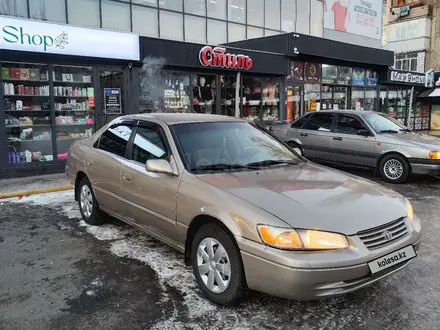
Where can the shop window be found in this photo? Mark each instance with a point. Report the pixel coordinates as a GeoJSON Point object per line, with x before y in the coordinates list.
{"type": "Point", "coordinates": [176, 5]}
{"type": "Point", "coordinates": [301, 121]}
{"type": "Point", "coordinates": [293, 102]}
{"type": "Point", "coordinates": [176, 92]}
{"type": "Point", "coordinates": [316, 23]}
{"type": "Point", "coordinates": [196, 7]}
{"type": "Point", "coordinates": [14, 8]}
{"type": "Point", "coordinates": [320, 122]}
{"type": "Point", "coordinates": [115, 139]}
{"type": "Point", "coordinates": [204, 93]}
{"type": "Point", "coordinates": [406, 62]}
{"type": "Point", "coordinates": [329, 74]}
{"type": "Point", "coordinates": [151, 88]}
{"type": "Point", "coordinates": [370, 99]}
{"type": "Point", "coordinates": [326, 97]}
{"type": "Point", "coordinates": [27, 111]}
{"type": "Point", "coordinates": [383, 100]}
{"type": "Point", "coordinates": [236, 32]}
{"type": "Point", "coordinates": [312, 97]}
{"type": "Point", "coordinates": [272, 11]}
{"type": "Point", "coordinates": [217, 9]}
{"type": "Point", "coordinates": [340, 98]}
{"type": "Point", "coordinates": [237, 11]}
{"type": "Point", "coordinates": [83, 12]}
{"type": "Point", "coordinates": [348, 125]}
{"type": "Point", "coordinates": [48, 10]}
{"type": "Point", "coordinates": [195, 29]}
{"type": "Point", "coordinates": [216, 32]}
{"type": "Point", "coordinates": [357, 98]}
{"type": "Point", "coordinates": [115, 15]}
{"type": "Point", "coordinates": [148, 144]}
{"type": "Point", "coordinates": [145, 2]}
{"type": "Point", "coordinates": [288, 15]}
{"type": "Point", "coordinates": [255, 12]}
{"type": "Point", "coordinates": [397, 104]}
{"type": "Point", "coordinates": [252, 99]}
{"type": "Point", "coordinates": [171, 25]}
{"type": "Point", "coordinates": [145, 21]}
{"type": "Point", "coordinates": [228, 93]}
{"type": "Point", "coordinates": [253, 32]}
{"type": "Point", "coordinates": [303, 17]}
{"type": "Point", "coordinates": [74, 105]}
{"type": "Point", "coordinates": [271, 99]}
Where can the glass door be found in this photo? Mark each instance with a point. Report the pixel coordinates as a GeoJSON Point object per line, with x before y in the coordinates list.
{"type": "Point", "coordinates": [293, 102]}
{"type": "Point", "coordinates": [112, 100]}
{"type": "Point", "coordinates": [228, 93]}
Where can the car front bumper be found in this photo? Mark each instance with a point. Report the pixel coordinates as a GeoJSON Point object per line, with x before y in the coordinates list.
{"type": "Point", "coordinates": [315, 275]}
{"type": "Point", "coordinates": [425, 168]}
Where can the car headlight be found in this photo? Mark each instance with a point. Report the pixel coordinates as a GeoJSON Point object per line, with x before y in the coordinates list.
{"type": "Point", "coordinates": [434, 154]}
{"type": "Point", "coordinates": [409, 210]}
{"type": "Point", "coordinates": [301, 239]}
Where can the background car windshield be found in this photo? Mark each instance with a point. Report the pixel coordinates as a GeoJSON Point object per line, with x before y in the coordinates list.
{"type": "Point", "coordinates": [382, 122]}
{"type": "Point", "coordinates": [228, 143]}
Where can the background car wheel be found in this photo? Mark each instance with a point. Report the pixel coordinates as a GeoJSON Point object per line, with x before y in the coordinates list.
{"type": "Point", "coordinates": [88, 206]}
{"type": "Point", "coordinates": [394, 168]}
{"type": "Point", "coordinates": [295, 146]}
{"type": "Point", "coordinates": [217, 265]}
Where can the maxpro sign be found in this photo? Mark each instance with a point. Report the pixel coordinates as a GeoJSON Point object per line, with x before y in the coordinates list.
{"type": "Point", "coordinates": [34, 36]}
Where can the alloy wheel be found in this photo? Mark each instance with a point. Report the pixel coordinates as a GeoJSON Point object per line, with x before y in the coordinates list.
{"type": "Point", "coordinates": [213, 265]}
{"type": "Point", "coordinates": [86, 201]}
{"type": "Point", "coordinates": [393, 169]}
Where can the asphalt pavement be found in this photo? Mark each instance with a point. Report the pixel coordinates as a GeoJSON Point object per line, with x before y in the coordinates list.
{"type": "Point", "coordinates": [58, 273]}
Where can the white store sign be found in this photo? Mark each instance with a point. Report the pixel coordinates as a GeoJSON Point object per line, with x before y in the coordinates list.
{"type": "Point", "coordinates": [41, 37]}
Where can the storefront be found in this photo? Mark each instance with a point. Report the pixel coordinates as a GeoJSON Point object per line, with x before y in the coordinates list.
{"type": "Point", "coordinates": [326, 74]}
{"type": "Point", "coordinates": [59, 84]}
{"type": "Point", "coordinates": [187, 77]}
{"type": "Point", "coordinates": [400, 98]}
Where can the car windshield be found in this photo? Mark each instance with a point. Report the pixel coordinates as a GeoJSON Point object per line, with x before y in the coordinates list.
{"type": "Point", "coordinates": [230, 146]}
{"type": "Point", "coordinates": [383, 123]}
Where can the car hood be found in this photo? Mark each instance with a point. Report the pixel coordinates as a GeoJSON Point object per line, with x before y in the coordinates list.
{"type": "Point", "coordinates": [314, 197]}
{"type": "Point", "coordinates": [421, 140]}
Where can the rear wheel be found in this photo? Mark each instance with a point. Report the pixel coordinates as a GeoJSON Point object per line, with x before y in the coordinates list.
{"type": "Point", "coordinates": [88, 206]}
{"type": "Point", "coordinates": [217, 265]}
{"type": "Point", "coordinates": [295, 146]}
{"type": "Point", "coordinates": [394, 168]}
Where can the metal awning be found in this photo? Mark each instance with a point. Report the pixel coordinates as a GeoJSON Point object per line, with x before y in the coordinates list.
{"type": "Point", "coordinates": [427, 93]}
{"type": "Point", "coordinates": [435, 93]}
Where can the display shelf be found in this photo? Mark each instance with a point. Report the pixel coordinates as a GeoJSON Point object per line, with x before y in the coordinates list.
{"type": "Point", "coordinates": [25, 80]}
{"type": "Point", "coordinates": [26, 95]}
{"type": "Point", "coordinates": [28, 125]}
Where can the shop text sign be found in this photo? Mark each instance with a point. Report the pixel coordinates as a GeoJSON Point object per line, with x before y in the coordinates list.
{"type": "Point", "coordinates": [407, 77]}
{"type": "Point", "coordinates": [112, 100]}
{"type": "Point", "coordinates": [361, 17]}
{"type": "Point", "coordinates": [33, 36]}
{"type": "Point", "coordinates": [217, 57]}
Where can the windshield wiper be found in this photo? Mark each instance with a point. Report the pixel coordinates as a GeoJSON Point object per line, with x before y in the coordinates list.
{"type": "Point", "coordinates": [271, 162]}
{"type": "Point", "coordinates": [388, 131]}
{"type": "Point", "coordinates": [221, 167]}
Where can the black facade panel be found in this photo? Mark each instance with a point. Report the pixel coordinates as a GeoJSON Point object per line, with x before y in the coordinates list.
{"type": "Point", "coordinates": [186, 55]}
{"type": "Point", "coordinates": [319, 48]}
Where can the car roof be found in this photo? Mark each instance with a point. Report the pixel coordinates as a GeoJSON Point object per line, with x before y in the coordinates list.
{"type": "Point", "coordinates": [179, 118]}
{"type": "Point", "coordinates": [347, 111]}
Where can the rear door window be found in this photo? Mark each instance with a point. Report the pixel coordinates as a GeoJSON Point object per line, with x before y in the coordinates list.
{"type": "Point", "coordinates": [115, 139]}
{"type": "Point", "coordinates": [320, 122]}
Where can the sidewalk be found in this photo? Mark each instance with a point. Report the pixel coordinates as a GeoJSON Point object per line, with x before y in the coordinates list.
{"type": "Point", "coordinates": [33, 182]}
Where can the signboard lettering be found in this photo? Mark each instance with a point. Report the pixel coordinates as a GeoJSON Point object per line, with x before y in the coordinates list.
{"type": "Point", "coordinates": [217, 57]}
{"type": "Point", "coordinates": [407, 77]}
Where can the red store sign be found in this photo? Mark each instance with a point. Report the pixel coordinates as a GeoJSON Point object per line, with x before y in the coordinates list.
{"type": "Point", "coordinates": [217, 57]}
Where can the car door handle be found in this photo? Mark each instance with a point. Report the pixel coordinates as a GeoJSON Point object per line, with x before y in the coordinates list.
{"type": "Point", "coordinates": [337, 138]}
{"type": "Point", "coordinates": [126, 177]}
{"type": "Point", "coordinates": [304, 134]}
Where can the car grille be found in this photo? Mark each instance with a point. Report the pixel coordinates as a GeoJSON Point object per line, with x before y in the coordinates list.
{"type": "Point", "coordinates": [384, 235]}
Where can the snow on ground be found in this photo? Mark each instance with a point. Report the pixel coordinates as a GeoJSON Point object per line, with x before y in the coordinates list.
{"type": "Point", "coordinates": [166, 262]}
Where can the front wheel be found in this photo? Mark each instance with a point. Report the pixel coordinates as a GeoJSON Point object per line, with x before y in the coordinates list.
{"type": "Point", "coordinates": [394, 169]}
{"type": "Point", "coordinates": [217, 265]}
{"type": "Point", "coordinates": [88, 206]}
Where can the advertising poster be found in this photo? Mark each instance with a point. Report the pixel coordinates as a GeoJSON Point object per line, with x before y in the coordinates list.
{"type": "Point", "coordinates": [313, 72]}
{"type": "Point", "coordinates": [358, 78]}
{"type": "Point", "coordinates": [112, 100]}
{"type": "Point", "coordinates": [435, 117]}
{"type": "Point", "coordinates": [296, 72]}
{"type": "Point", "coordinates": [361, 17]}
{"type": "Point", "coordinates": [372, 78]}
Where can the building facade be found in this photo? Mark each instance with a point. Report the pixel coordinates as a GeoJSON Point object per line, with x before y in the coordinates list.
{"type": "Point", "coordinates": [70, 66]}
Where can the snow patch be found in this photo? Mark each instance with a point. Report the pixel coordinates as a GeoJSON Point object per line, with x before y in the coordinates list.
{"type": "Point", "coordinates": [90, 293]}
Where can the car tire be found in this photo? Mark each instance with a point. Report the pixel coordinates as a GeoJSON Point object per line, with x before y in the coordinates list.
{"type": "Point", "coordinates": [394, 168]}
{"type": "Point", "coordinates": [208, 271]}
{"type": "Point", "coordinates": [88, 206]}
{"type": "Point", "coordinates": [295, 146]}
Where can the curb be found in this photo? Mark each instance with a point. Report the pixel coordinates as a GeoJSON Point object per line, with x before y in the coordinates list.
{"type": "Point", "coordinates": [35, 191]}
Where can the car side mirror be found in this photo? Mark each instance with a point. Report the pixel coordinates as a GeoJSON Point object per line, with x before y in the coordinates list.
{"type": "Point", "coordinates": [159, 166]}
{"type": "Point", "coordinates": [363, 132]}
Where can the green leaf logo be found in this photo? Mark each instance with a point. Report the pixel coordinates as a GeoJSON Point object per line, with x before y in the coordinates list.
{"type": "Point", "coordinates": [62, 40]}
